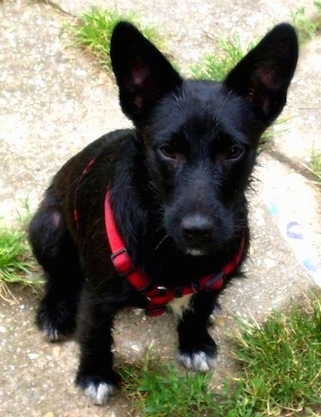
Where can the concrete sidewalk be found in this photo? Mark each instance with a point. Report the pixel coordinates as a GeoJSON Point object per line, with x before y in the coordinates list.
{"type": "Point", "coordinates": [54, 100]}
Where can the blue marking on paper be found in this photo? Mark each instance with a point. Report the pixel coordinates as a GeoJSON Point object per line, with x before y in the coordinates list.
{"type": "Point", "coordinates": [292, 231]}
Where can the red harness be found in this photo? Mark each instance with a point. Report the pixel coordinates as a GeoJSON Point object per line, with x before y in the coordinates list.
{"type": "Point", "coordinates": [157, 297]}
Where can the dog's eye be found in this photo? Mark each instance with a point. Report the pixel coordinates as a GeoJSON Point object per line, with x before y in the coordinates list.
{"type": "Point", "coordinates": [168, 152]}
{"type": "Point", "coordinates": [234, 152]}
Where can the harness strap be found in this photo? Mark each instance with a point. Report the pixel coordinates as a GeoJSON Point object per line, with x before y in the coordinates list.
{"type": "Point", "coordinates": [157, 296]}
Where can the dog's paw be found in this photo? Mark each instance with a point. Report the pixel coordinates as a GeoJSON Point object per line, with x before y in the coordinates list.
{"type": "Point", "coordinates": [98, 389]}
{"type": "Point", "coordinates": [100, 393]}
{"type": "Point", "coordinates": [52, 334]}
{"type": "Point", "coordinates": [197, 361]}
{"type": "Point", "coordinates": [197, 353]}
{"type": "Point", "coordinates": [56, 324]}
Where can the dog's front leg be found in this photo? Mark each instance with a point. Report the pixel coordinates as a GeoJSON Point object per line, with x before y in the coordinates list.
{"type": "Point", "coordinates": [95, 373]}
{"type": "Point", "coordinates": [197, 349]}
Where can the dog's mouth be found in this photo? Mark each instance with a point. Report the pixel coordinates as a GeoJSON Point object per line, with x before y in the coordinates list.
{"type": "Point", "coordinates": [195, 235]}
{"type": "Point", "coordinates": [196, 251]}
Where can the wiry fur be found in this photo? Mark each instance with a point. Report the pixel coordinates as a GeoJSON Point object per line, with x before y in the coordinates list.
{"type": "Point", "coordinates": [177, 183]}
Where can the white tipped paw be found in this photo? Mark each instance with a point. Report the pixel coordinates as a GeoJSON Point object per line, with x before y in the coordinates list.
{"type": "Point", "coordinates": [53, 335]}
{"type": "Point", "coordinates": [100, 393]}
{"type": "Point", "coordinates": [199, 361]}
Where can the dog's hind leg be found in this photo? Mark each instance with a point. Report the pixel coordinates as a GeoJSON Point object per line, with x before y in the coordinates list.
{"type": "Point", "coordinates": [197, 349]}
{"type": "Point", "coordinates": [55, 251]}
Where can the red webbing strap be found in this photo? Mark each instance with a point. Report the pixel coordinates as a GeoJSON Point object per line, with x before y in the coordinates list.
{"type": "Point", "coordinates": [214, 282]}
{"type": "Point", "coordinates": [120, 258]}
{"type": "Point", "coordinates": [157, 297]}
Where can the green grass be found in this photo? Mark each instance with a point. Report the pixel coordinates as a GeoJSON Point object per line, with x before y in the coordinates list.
{"type": "Point", "coordinates": [214, 67]}
{"type": "Point", "coordinates": [315, 165]}
{"type": "Point", "coordinates": [280, 374]}
{"type": "Point", "coordinates": [157, 389]}
{"type": "Point", "coordinates": [16, 263]}
{"type": "Point", "coordinates": [93, 31]}
{"type": "Point", "coordinates": [281, 362]}
{"type": "Point", "coordinates": [94, 28]}
{"type": "Point", "coordinates": [307, 27]}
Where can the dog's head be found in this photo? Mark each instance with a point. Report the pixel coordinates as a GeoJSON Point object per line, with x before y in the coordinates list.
{"type": "Point", "coordinates": [201, 137]}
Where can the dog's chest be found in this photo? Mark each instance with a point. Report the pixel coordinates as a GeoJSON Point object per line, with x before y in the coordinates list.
{"type": "Point", "coordinates": [179, 305]}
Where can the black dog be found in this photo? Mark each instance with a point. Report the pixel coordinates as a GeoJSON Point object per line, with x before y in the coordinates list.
{"type": "Point", "coordinates": [167, 199]}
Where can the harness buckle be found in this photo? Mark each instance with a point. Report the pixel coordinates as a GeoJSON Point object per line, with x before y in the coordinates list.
{"type": "Point", "coordinates": [122, 262]}
{"type": "Point", "coordinates": [215, 282]}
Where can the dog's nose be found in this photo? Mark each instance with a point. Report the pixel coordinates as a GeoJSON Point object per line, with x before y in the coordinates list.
{"type": "Point", "coordinates": [197, 227]}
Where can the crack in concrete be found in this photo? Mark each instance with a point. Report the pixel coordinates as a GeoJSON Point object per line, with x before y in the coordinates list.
{"type": "Point", "coordinates": [56, 6]}
{"type": "Point", "coordinates": [296, 166]}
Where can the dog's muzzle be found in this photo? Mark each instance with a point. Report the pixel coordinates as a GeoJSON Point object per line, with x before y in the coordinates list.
{"type": "Point", "coordinates": [197, 232]}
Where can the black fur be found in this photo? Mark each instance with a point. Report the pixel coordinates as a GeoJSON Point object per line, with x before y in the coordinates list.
{"type": "Point", "coordinates": [177, 182]}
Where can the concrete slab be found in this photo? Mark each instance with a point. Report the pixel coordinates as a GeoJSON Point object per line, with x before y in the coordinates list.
{"type": "Point", "coordinates": [50, 94]}
{"type": "Point", "coordinates": [54, 100]}
{"type": "Point", "coordinates": [193, 27]}
{"type": "Point", "coordinates": [302, 132]}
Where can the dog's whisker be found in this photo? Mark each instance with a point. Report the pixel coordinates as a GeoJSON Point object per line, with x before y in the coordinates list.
{"type": "Point", "coordinates": [161, 242]}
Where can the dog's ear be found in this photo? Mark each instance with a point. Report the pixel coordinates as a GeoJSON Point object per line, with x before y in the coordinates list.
{"type": "Point", "coordinates": [143, 74]}
{"type": "Point", "coordinates": [264, 74]}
